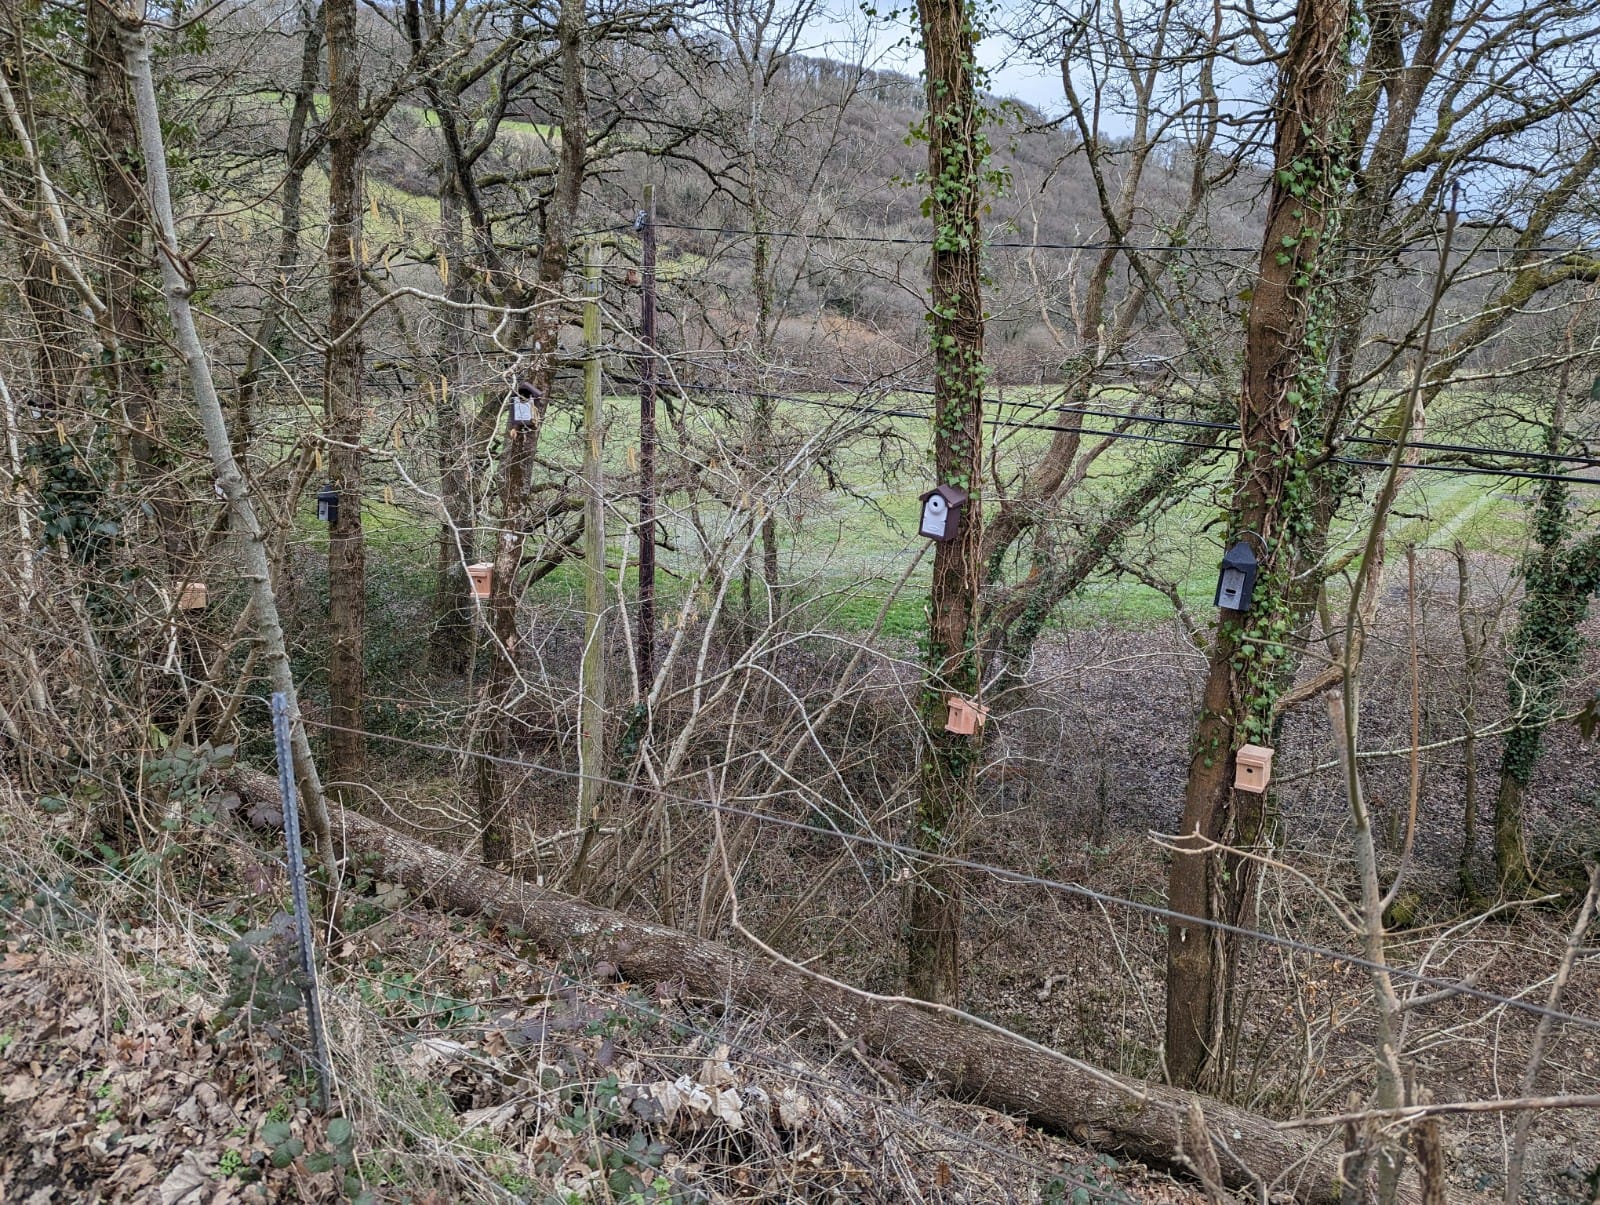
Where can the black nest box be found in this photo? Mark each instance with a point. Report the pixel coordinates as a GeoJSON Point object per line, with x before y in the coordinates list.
{"type": "Point", "coordinates": [328, 504]}
{"type": "Point", "coordinates": [1237, 581]}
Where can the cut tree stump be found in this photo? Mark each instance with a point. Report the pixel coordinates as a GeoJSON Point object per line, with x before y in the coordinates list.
{"type": "Point", "coordinates": [1100, 1111]}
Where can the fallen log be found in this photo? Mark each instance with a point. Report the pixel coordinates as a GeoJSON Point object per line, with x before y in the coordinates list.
{"type": "Point", "coordinates": [1148, 1122]}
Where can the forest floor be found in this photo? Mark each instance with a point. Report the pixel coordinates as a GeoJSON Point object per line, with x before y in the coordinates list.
{"type": "Point", "coordinates": [467, 1068]}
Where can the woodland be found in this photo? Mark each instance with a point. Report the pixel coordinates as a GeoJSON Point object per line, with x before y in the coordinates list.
{"type": "Point", "coordinates": [616, 601]}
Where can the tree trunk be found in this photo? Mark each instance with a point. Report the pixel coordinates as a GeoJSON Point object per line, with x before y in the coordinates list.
{"type": "Point", "coordinates": [500, 687]}
{"type": "Point", "coordinates": [956, 164]}
{"type": "Point", "coordinates": [592, 674]}
{"type": "Point", "coordinates": [1559, 579]}
{"type": "Point", "coordinates": [453, 606]}
{"type": "Point", "coordinates": [347, 566]}
{"type": "Point", "coordinates": [125, 332]}
{"type": "Point", "coordinates": [290, 220]}
{"type": "Point", "coordinates": [255, 567]}
{"type": "Point", "coordinates": [1511, 867]}
{"type": "Point", "coordinates": [1272, 501]}
{"type": "Point", "coordinates": [761, 270]}
{"type": "Point", "coordinates": [645, 635]}
{"type": "Point", "coordinates": [1472, 647]}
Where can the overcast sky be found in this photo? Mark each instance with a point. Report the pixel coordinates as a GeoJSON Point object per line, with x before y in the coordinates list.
{"type": "Point", "coordinates": [890, 48]}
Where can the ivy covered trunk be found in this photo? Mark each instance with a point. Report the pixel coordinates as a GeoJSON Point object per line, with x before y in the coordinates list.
{"type": "Point", "coordinates": [1558, 581]}
{"type": "Point", "coordinates": [347, 555]}
{"type": "Point", "coordinates": [956, 171]}
{"type": "Point", "coordinates": [1273, 508]}
{"type": "Point", "coordinates": [129, 348]}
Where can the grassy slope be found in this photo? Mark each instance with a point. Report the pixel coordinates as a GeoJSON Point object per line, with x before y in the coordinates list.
{"type": "Point", "coordinates": [849, 552]}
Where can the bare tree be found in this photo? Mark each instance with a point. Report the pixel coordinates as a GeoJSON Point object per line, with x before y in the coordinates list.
{"type": "Point", "coordinates": [342, 403]}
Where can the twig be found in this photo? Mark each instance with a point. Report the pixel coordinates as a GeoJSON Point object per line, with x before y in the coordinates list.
{"type": "Point", "coordinates": [1519, 1142]}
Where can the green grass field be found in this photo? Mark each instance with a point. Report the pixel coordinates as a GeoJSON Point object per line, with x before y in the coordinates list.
{"type": "Point", "coordinates": [845, 555]}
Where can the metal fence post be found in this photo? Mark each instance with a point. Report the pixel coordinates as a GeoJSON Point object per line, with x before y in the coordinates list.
{"type": "Point", "coordinates": [297, 883]}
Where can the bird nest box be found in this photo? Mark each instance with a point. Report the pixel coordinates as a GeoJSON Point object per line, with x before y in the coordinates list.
{"type": "Point", "coordinates": [941, 513]}
{"type": "Point", "coordinates": [1252, 768]}
{"type": "Point", "coordinates": [964, 716]}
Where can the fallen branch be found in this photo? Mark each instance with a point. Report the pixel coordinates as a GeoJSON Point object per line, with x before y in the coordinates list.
{"type": "Point", "coordinates": [963, 1061]}
{"type": "Point", "coordinates": [1511, 1104]}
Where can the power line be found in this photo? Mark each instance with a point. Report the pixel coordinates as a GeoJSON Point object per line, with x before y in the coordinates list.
{"type": "Point", "coordinates": [1012, 424]}
{"type": "Point", "coordinates": [1580, 459]}
{"type": "Point", "coordinates": [1211, 424]}
{"type": "Point", "coordinates": [1146, 248]}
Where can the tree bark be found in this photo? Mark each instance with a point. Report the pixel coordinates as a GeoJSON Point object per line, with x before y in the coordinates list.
{"type": "Point", "coordinates": [125, 333]}
{"type": "Point", "coordinates": [956, 162]}
{"type": "Point", "coordinates": [1271, 499]}
{"type": "Point", "coordinates": [961, 1059]}
{"type": "Point", "coordinates": [290, 220]}
{"type": "Point", "coordinates": [1559, 579]}
{"type": "Point", "coordinates": [347, 558]}
{"type": "Point", "coordinates": [645, 636]}
{"type": "Point", "coordinates": [453, 606]}
{"type": "Point", "coordinates": [450, 643]}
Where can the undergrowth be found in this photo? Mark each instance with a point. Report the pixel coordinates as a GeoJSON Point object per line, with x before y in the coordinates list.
{"type": "Point", "coordinates": [160, 986]}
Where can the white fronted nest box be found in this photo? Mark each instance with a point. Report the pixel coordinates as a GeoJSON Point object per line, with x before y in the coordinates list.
{"type": "Point", "coordinates": [522, 400]}
{"type": "Point", "coordinates": [1252, 769]}
{"type": "Point", "coordinates": [482, 576]}
{"type": "Point", "coordinates": [964, 716]}
{"type": "Point", "coordinates": [192, 596]}
{"type": "Point", "coordinates": [942, 507]}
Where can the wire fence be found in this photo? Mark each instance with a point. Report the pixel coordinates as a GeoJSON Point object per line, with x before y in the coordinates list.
{"type": "Point", "coordinates": [911, 856]}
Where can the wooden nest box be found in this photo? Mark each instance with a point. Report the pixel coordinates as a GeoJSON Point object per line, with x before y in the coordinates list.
{"type": "Point", "coordinates": [964, 716]}
{"type": "Point", "coordinates": [482, 576]}
{"type": "Point", "coordinates": [192, 596]}
{"type": "Point", "coordinates": [1252, 768]}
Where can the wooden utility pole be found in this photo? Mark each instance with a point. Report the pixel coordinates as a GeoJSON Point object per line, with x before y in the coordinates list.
{"type": "Point", "coordinates": [645, 657]}
{"type": "Point", "coordinates": [592, 708]}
